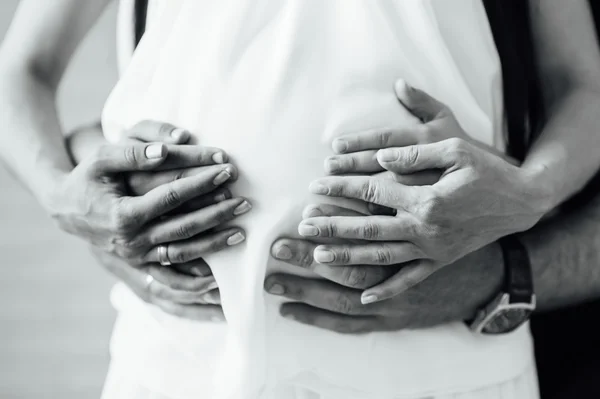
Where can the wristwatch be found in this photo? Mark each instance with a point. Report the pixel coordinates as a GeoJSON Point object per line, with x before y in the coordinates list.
{"type": "Point", "coordinates": [514, 305]}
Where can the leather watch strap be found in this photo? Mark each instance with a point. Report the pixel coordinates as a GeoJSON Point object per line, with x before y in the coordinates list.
{"type": "Point", "coordinates": [518, 279]}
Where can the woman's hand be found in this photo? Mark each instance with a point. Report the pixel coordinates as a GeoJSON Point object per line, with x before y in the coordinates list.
{"type": "Point", "coordinates": [453, 294]}
{"type": "Point", "coordinates": [478, 198]}
{"type": "Point", "coordinates": [173, 292]}
{"type": "Point", "coordinates": [185, 289]}
{"type": "Point", "coordinates": [93, 202]}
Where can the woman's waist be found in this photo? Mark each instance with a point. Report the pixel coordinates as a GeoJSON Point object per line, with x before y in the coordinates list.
{"type": "Point", "coordinates": [442, 359]}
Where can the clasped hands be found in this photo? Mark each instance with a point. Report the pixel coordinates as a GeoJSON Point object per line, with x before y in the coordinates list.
{"type": "Point", "coordinates": [421, 258]}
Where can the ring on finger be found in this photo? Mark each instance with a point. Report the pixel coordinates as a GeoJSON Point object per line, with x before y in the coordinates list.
{"type": "Point", "coordinates": [163, 255]}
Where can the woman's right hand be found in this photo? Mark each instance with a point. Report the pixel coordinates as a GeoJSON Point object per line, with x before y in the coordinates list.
{"type": "Point", "coordinates": [176, 293]}
{"type": "Point", "coordinates": [93, 202]}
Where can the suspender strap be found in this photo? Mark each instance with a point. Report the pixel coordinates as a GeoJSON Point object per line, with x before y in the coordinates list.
{"type": "Point", "coordinates": [140, 15]}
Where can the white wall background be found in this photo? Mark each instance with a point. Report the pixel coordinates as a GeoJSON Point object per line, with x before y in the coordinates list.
{"type": "Point", "coordinates": [55, 318]}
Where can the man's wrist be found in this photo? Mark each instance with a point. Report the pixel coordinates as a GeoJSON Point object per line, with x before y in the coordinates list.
{"type": "Point", "coordinates": [490, 267]}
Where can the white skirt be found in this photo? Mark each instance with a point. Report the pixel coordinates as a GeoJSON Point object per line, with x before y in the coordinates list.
{"type": "Point", "coordinates": [121, 385]}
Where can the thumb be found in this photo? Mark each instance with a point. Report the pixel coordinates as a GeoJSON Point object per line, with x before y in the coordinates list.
{"type": "Point", "coordinates": [415, 158]}
{"type": "Point", "coordinates": [419, 103]}
{"type": "Point", "coordinates": [127, 158]}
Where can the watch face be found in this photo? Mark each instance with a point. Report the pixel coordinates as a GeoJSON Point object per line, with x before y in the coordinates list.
{"type": "Point", "coordinates": [507, 320]}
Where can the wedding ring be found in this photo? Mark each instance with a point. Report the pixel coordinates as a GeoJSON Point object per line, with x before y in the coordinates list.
{"type": "Point", "coordinates": [149, 280]}
{"type": "Point", "coordinates": [163, 255]}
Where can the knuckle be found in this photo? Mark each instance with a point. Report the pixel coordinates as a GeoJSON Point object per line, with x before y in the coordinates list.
{"type": "Point", "coordinates": [330, 230]}
{"type": "Point", "coordinates": [383, 138]}
{"type": "Point", "coordinates": [344, 305]}
{"type": "Point", "coordinates": [369, 191]}
{"type": "Point", "coordinates": [430, 209]}
{"type": "Point", "coordinates": [368, 231]}
{"type": "Point", "coordinates": [171, 199]}
{"type": "Point", "coordinates": [411, 155]}
{"type": "Point", "coordinates": [305, 258]}
{"type": "Point", "coordinates": [383, 256]}
{"type": "Point", "coordinates": [125, 220]}
{"type": "Point", "coordinates": [458, 149]}
{"type": "Point", "coordinates": [130, 155]}
{"type": "Point", "coordinates": [345, 257]}
{"type": "Point", "coordinates": [352, 163]}
{"type": "Point", "coordinates": [355, 277]}
{"type": "Point", "coordinates": [183, 231]}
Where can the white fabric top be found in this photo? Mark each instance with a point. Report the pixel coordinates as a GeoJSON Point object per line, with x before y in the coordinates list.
{"type": "Point", "coordinates": [272, 82]}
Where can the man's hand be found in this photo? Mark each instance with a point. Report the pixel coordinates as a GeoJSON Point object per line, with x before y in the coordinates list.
{"type": "Point", "coordinates": [478, 198]}
{"type": "Point", "coordinates": [453, 294]}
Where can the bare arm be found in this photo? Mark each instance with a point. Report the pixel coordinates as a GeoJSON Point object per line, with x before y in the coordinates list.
{"type": "Point", "coordinates": [565, 156]}
{"type": "Point", "coordinates": [36, 51]}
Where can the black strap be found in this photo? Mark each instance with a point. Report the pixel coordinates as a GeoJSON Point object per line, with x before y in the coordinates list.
{"type": "Point", "coordinates": [518, 279]}
{"type": "Point", "coordinates": [140, 14]}
{"type": "Point", "coordinates": [509, 22]}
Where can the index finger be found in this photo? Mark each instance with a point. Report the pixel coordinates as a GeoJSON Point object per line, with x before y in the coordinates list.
{"type": "Point", "coordinates": [151, 131]}
{"type": "Point", "coordinates": [375, 139]}
{"type": "Point", "coordinates": [379, 191]}
{"type": "Point", "coordinates": [188, 156]}
{"type": "Point", "coordinates": [319, 293]}
{"type": "Point", "coordinates": [301, 253]}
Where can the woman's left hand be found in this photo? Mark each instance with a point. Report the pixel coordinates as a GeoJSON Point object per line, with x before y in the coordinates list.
{"type": "Point", "coordinates": [478, 198]}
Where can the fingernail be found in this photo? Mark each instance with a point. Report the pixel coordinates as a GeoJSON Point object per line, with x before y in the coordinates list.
{"type": "Point", "coordinates": [242, 208]}
{"type": "Point", "coordinates": [332, 165]}
{"type": "Point", "coordinates": [276, 289]}
{"type": "Point", "coordinates": [155, 151]}
{"type": "Point", "coordinates": [307, 230]}
{"type": "Point", "coordinates": [199, 272]}
{"type": "Point", "coordinates": [218, 157]}
{"type": "Point", "coordinates": [221, 178]}
{"type": "Point", "coordinates": [179, 133]}
{"type": "Point", "coordinates": [367, 299]}
{"type": "Point", "coordinates": [402, 85]}
{"type": "Point", "coordinates": [212, 286]}
{"type": "Point", "coordinates": [387, 155]}
{"type": "Point", "coordinates": [339, 146]}
{"type": "Point", "coordinates": [235, 239]}
{"type": "Point", "coordinates": [220, 197]}
{"type": "Point", "coordinates": [323, 255]}
{"type": "Point", "coordinates": [216, 319]}
{"type": "Point", "coordinates": [284, 253]}
{"type": "Point", "coordinates": [318, 188]}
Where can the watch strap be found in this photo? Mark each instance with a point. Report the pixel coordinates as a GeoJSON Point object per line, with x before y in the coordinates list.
{"type": "Point", "coordinates": [518, 276]}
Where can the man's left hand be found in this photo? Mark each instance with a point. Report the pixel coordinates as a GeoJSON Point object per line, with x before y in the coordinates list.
{"type": "Point", "coordinates": [479, 198]}
{"type": "Point", "coordinates": [334, 303]}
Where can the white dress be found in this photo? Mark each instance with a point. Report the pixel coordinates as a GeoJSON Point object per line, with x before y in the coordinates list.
{"type": "Point", "coordinates": [273, 82]}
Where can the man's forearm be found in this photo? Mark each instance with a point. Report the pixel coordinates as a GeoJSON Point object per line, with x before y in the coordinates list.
{"type": "Point", "coordinates": [565, 256]}
{"type": "Point", "coordinates": [31, 141]}
{"type": "Point", "coordinates": [565, 156]}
